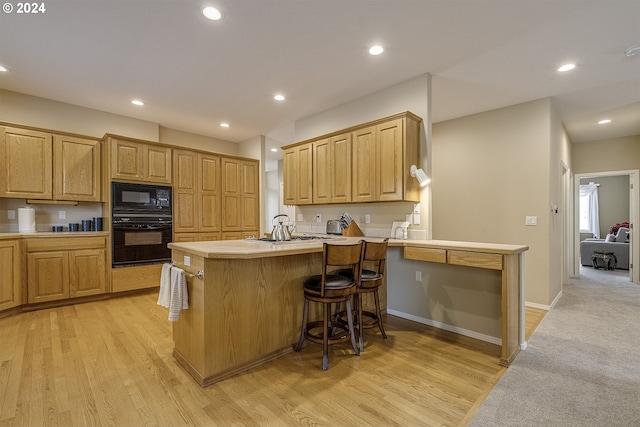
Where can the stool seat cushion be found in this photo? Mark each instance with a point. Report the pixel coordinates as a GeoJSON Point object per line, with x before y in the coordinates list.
{"type": "Point", "coordinates": [366, 274]}
{"type": "Point", "coordinates": [333, 281]}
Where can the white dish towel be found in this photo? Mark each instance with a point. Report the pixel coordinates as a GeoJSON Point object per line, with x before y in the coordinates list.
{"type": "Point", "coordinates": [164, 298]}
{"type": "Point", "coordinates": [179, 294]}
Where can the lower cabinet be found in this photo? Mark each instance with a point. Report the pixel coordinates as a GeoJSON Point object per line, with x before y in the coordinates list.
{"type": "Point", "coordinates": [195, 237]}
{"type": "Point", "coordinates": [10, 280]}
{"type": "Point", "coordinates": [64, 268]}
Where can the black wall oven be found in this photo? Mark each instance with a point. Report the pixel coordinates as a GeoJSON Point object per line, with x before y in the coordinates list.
{"type": "Point", "coordinates": [141, 224]}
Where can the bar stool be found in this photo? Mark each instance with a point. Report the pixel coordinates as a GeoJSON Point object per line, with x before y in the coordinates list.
{"type": "Point", "coordinates": [371, 280]}
{"type": "Point", "coordinates": [328, 289]}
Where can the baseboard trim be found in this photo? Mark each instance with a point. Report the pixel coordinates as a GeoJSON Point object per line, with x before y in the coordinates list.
{"type": "Point", "coordinates": [446, 327]}
{"type": "Point", "coordinates": [542, 306]}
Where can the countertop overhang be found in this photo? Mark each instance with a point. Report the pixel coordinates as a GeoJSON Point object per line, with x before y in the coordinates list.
{"type": "Point", "coordinates": [251, 249]}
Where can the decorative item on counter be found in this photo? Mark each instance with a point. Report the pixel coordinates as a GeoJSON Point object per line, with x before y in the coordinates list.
{"type": "Point", "coordinates": [86, 224]}
{"type": "Point", "coordinates": [399, 230]}
{"type": "Point", "coordinates": [57, 228]}
{"type": "Point", "coordinates": [26, 220]}
{"type": "Point", "coordinates": [97, 224]}
{"type": "Point", "coordinates": [74, 227]}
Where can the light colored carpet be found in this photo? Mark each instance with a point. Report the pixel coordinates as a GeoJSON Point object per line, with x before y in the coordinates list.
{"type": "Point", "coordinates": [582, 364]}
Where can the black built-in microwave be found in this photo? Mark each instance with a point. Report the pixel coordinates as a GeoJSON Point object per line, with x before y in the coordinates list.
{"type": "Point", "coordinates": [140, 198]}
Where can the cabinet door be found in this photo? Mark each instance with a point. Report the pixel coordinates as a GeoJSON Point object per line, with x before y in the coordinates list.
{"type": "Point", "coordinates": [25, 164]}
{"type": "Point", "coordinates": [47, 276]}
{"type": "Point", "coordinates": [209, 193]}
{"type": "Point", "coordinates": [321, 171]}
{"type": "Point", "coordinates": [340, 168]}
{"type": "Point", "coordinates": [126, 160]}
{"type": "Point", "coordinates": [231, 198]}
{"type": "Point", "coordinates": [389, 143]}
{"type": "Point", "coordinates": [250, 194]}
{"type": "Point", "coordinates": [76, 169]}
{"type": "Point", "coordinates": [157, 164]}
{"type": "Point", "coordinates": [185, 237]}
{"type": "Point", "coordinates": [9, 274]}
{"type": "Point", "coordinates": [290, 176]}
{"type": "Point", "coordinates": [87, 274]}
{"type": "Point", "coordinates": [185, 211]}
{"type": "Point", "coordinates": [304, 194]}
{"type": "Point", "coordinates": [363, 178]}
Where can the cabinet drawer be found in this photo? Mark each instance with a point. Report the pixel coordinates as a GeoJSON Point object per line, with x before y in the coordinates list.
{"type": "Point", "coordinates": [66, 243]}
{"type": "Point", "coordinates": [475, 259]}
{"type": "Point", "coordinates": [425, 254]}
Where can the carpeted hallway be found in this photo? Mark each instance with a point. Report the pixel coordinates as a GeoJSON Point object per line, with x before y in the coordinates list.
{"type": "Point", "coordinates": [582, 364]}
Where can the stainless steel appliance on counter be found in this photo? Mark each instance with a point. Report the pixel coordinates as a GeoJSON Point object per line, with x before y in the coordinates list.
{"type": "Point", "coordinates": [141, 224]}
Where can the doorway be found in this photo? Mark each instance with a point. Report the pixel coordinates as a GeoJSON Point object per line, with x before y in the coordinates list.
{"type": "Point", "coordinates": [633, 215]}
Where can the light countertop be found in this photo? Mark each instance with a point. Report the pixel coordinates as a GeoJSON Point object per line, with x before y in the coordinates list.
{"type": "Point", "coordinates": [41, 234]}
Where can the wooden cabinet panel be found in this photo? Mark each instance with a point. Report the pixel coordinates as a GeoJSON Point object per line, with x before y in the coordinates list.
{"type": "Point", "coordinates": [185, 169]}
{"type": "Point", "coordinates": [157, 164]}
{"type": "Point", "coordinates": [321, 171]}
{"type": "Point", "coordinates": [87, 272]}
{"type": "Point", "coordinates": [137, 277]}
{"type": "Point", "coordinates": [298, 175]}
{"type": "Point", "coordinates": [250, 193]}
{"type": "Point", "coordinates": [185, 214]}
{"type": "Point", "coordinates": [340, 168]}
{"type": "Point", "coordinates": [290, 173]}
{"type": "Point", "coordinates": [126, 160]}
{"type": "Point", "coordinates": [209, 193]}
{"type": "Point", "coordinates": [425, 254]}
{"type": "Point", "coordinates": [390, 171]}
{"type": "Point", "coordinates": [10, 274]}
{"type": "Point", "coordinates": [26, 164]}
{"type": "Point", "coordinates": [363, 177]}
{"type": "Point", "coordinates": [77, 165]}
{"type": "Point", "coordinates": [231, 199]}
{"type": "Point", "coordinates": [47, 276]}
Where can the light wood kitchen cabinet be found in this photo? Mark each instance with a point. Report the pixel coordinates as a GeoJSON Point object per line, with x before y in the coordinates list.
{"type": "Point", "coordinates": [298, 174]}
{"type": "Point", "coordinates": [10, 274]}
{"type": "Point", "coordinates": [240, 196]}
{"type": "Point", "coordinates": [137, 161]}
{"type": "Point", "coordinates": [26, 164]}
{"type": "Point", "coordinates": [197, 201]}
{"type": "Point", "coordinates": [365, 163]}
{"type": "Point", "coordinates": [45, 166]}
{"type": "Point", "coordinates": [76, 169]}
{"type": "Point", "coordinates": [61, 268]}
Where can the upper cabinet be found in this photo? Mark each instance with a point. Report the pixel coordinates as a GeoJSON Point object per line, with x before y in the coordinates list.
{"type": "Point", "coordinates": [45, 166]}
{"type": "Point", "coordinates": [365, 163]}
{"type": "Point", "coordinates": [137, 161]}
{"type": "Point", "coordinates": [240, 195]}
{"type": "Point", "coordinates": [298, 174]}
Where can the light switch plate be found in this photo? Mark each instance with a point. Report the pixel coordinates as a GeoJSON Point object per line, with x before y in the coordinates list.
{"type": "Point", "coordinates": [187, 261]}
{"type": "Point", "coordinates": [531, 220]}
{"type": "Point", "coordinates": [62, 214]}
{"type": "Point", "coordinates": [367, 218]}
{"type": "Point", "coordinates": [11, 214]}
{"type": "Point", "coordinates": [300, 217]}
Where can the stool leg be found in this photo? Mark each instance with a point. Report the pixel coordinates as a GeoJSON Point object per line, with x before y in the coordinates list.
{"type": "Point", "coordinates": [303, 327]}
{"type": "Point", "coordinates": [377, 298]}
{"type": "Point", "coordinates": [358, 300]}
{"type": "Point", "coordinates": [325, 337]}
{"type": "Point", "coordinates": [351, 332]}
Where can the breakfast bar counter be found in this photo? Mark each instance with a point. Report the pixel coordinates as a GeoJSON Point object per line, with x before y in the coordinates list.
{"type": "Point", "coordinates": [246, 307]}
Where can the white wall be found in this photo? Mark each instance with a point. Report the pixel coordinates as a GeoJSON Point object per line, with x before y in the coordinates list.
{"type": "Point", "coordinates": [44, 113]}
{"type": "Point", "coordinates": [490, 171]}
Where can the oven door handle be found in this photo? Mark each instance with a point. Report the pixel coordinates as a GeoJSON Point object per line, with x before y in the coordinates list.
{"type": "Point", "coordinates": [131, 227]}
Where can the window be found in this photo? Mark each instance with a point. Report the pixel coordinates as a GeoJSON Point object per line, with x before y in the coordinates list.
{"type": "Point", "coordinates": [589, 219]}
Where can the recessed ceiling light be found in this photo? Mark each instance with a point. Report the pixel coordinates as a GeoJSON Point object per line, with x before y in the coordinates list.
{"type": "Point", "coordinates": [224, 125]}
{"type": "Point", "coordinates": [3, 69]}
{"type": "Point", "coordinates": [567, 67]}
{"type": "Point", "coordinates": [279, 97]}
{"type": "Point", "coordinates": [212, 13]}
{"type": "Point", "coordinates": [604, 122]}
{"type": "Point", "coordinates": [376, 50]}
{"type": "Point", "coordinates": [275, 150]}
{"type": "Point", "coordinates": [137, 102]}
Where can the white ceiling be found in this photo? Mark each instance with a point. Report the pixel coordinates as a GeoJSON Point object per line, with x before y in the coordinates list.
{"type": "Point", "coordinates": [194, 73]}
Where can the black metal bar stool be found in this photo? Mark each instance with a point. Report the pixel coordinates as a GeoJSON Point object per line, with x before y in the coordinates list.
{"type": "Point", "coordinates": [328, 289]}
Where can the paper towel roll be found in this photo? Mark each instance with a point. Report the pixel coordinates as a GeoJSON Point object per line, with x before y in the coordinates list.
{"type": "Point", "coordinates": [26, 220]}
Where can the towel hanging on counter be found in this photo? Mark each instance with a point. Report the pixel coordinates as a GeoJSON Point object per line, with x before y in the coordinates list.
{"type": "Point", "coordinates": [179, 294]}
{"type": "Point", "coordinates": [164, 298]}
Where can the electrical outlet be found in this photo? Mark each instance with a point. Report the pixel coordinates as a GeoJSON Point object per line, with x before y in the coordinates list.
{"type": "Point", "coordinates": [187, 261]}
{"type": "Point", "coordinates": [300, 218]}
{"type": "Point", "coordinates": [531, 220]}
{"type": "Point", "coordinates": [367, 218]}
{"type": "Point", "coordinates": [62, 214]}
{"type": "Point", "coordinates": [418, 276]}
{"type": "Point", "coordinates": [318, 218]}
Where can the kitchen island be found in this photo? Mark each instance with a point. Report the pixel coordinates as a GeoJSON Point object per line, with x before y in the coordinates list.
{"type": "Point", "coordinates": [246, 307]}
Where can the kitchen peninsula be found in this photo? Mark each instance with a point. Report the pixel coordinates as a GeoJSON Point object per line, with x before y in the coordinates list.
{"type": "Point", "coordinates": [246, 307]}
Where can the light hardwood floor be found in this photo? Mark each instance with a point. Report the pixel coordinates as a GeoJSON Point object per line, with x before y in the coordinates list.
{"type": "Point", "coordinates": [110, 363]}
